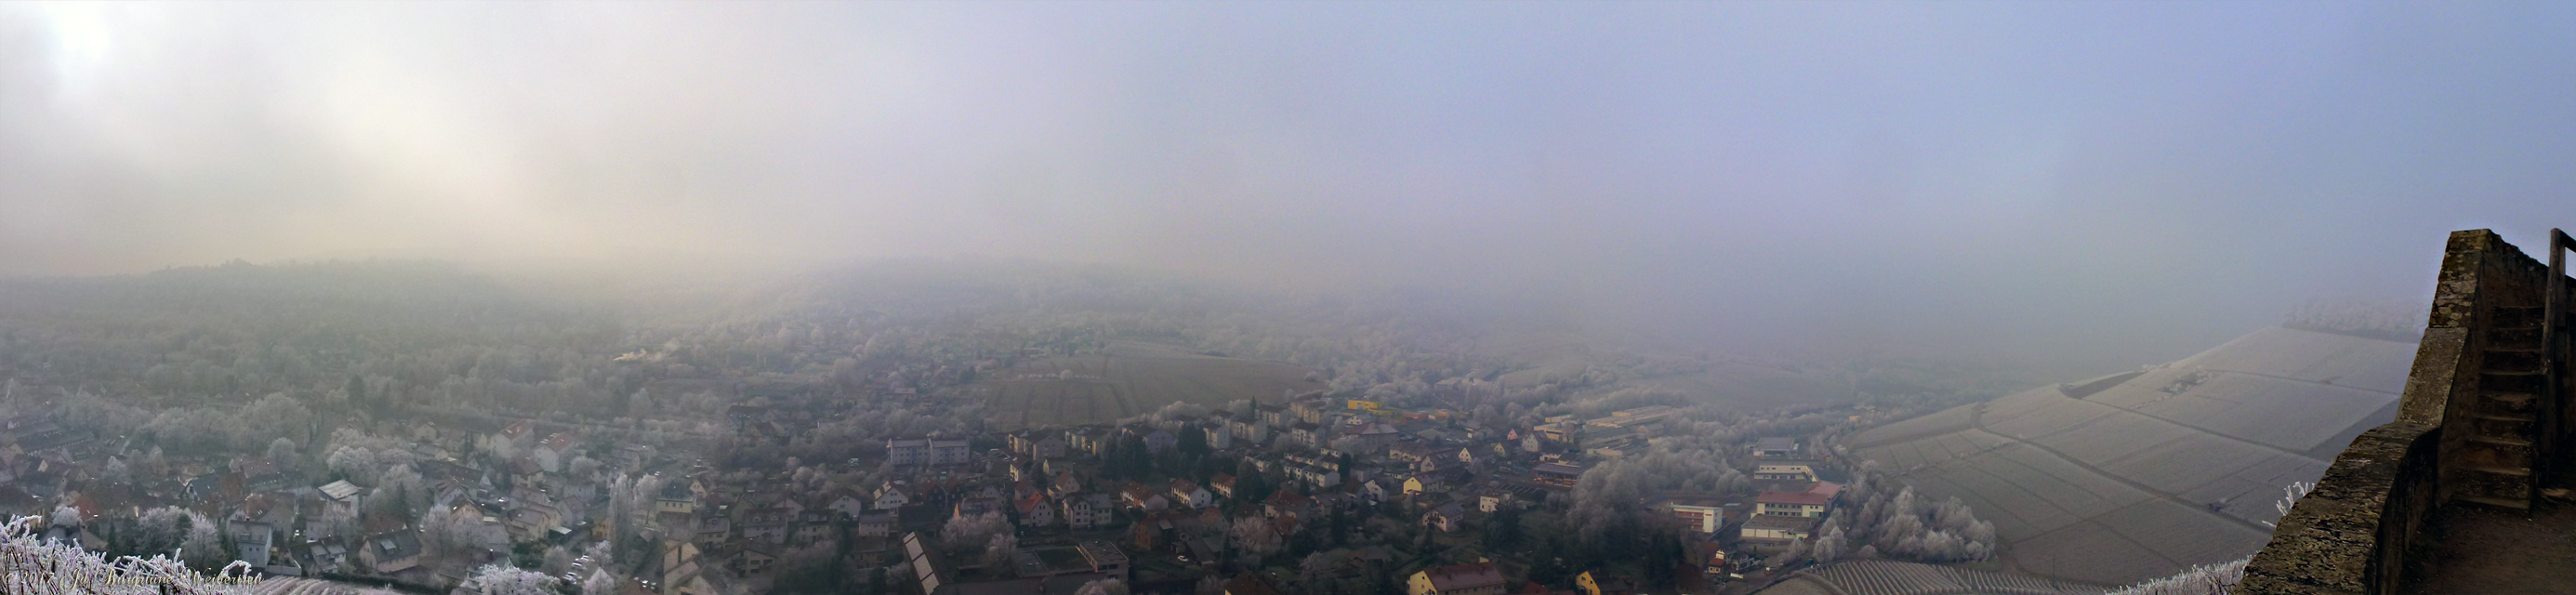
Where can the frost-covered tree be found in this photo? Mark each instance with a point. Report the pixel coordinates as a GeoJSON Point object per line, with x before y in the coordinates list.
{"type": "Point", "coordinates": [204, 546]}
{"type": "Point", "coordinates": [1797, 551]}
{"type": "Point", "coordinates": [601, 582]}
{"type": "Point", "coordinates": [116, 471]}
{"type": "Point", "coordinates": [974, 532]}
{"type": "Point", "coordinates": [1314, 570]}
{"type": "Point", "coordinates": [1253, 537]}
{"type": "Point", "coordinates": [66, 517]}
{"type": "Point", "coordinates": [282, 452]}
{"type": "Point", "coordinates": [501, 579]}
{"type": "Point", "coordinates": [354, 463]}
{"type": "Point", "coordinates": [1829, 547]}
{"type": "Point", "coordinates": [557, 561]}
{"type": "Point", "coordinates": [1002, 554]}
{"type": "Point", "coordinates": [2210, 579]}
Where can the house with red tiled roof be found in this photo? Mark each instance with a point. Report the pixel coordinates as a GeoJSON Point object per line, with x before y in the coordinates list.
{"type": "Point", "coordinates": [1034, 510]}
{"type": "Point", "coordinates": [1188, 493]}
{"type": "Point", "coordinates": [1479, 578]}
{"type": "Point", "coordinates": [1137, 496]}
{"type": "Point", "coordinates": [1222, 485]}
{"type": "Point", "coordinates": [554, 452]}
{"type": "Point", "coordinates": [1284, 502]}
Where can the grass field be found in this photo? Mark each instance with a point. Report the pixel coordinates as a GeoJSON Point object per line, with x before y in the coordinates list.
{"type": "Point", "coordinates": [1132, 378]}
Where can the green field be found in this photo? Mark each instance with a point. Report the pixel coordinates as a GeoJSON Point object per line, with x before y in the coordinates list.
{"type": "Point", "coordinates": [1132, 378]}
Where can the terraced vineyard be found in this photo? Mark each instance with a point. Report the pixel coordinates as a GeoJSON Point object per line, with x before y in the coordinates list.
{"type": "Point", "coordinates": [1132, 378]}
{"type": "Point", "coordinates": [2157, 472]}
{"type": "Point", "coordinates": [1885, 577]}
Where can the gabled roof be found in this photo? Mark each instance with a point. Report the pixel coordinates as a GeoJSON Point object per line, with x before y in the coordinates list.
{"type": "Point", "coordinates": [1287, 499]}
{"type": "Point", "coordinates": [1249, 584]}
{"type": "Point", "coordinates": [340, 490]}
{"type": "Point", "coordinates": [1463, 576]}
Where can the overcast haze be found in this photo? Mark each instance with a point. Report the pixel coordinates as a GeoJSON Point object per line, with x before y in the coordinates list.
{"type": "Point", "coordinates": [2132, 181]}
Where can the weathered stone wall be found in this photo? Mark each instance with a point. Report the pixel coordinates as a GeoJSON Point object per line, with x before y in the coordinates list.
{"type": "Point", "coordinates": [2354, 532]}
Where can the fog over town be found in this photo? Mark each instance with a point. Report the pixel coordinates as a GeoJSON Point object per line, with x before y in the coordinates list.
{"type": "Point", "coordinates": [1469, 282]}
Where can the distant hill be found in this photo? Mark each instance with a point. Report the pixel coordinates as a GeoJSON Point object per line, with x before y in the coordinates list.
{"type": "Point", "coordinates": [2137, 475]}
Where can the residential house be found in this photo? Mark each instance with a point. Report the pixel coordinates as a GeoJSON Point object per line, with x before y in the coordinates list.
{"type": "Point", "coordinates": [1219, 436]}
{"type": "Point", "coordinates": [810, 533]}
{"type": "Point", "coordinates": [555, 451]}
{"type": "Point", "coordinates": [1222, 484]}
{"type": "Point", "coordinates": [891, 497]}
{"type": "Point", "coordinates": [391, 552]}
{"type": "Point", "coordinates": [1595, 583]}
{"type": "Point", "coordinates": [342, 498]}
{"type": "Point", "coordinates": [1305, 434]}
{"type": "Point", "coordinates": [1065, 484]}
{"type": "Point", "coordinates": [1137, 496]}
{"type": "Point", "coordinates": [1380, 490]}
{"type": "Point", "coordinates": [1087, 510]}
{"type": "Point", "coordinates": [1092, 441]}
{"type": "Point", "coordinates": [1252, 433]}
{"type": "Point", "coordinates": [1158, 441]}
{"type": "Point", "coordinates": [908, 452]}
{"type": "Point", "coordinates": [874, 524]}
{"type": "Point", "coordinates": [950, 452]}
{"type": "Point", "coordinates": [1250, 584]}
{"type": "Point", "coordinates": [1188, 493]}
{"type": "Point", "coordinates": [978, 505]}
{"type": "Point", "coordinates": [1480, 578]}
{"type": "Point", "coordinates": [848, 503]}
{"type": "Point", "coordinates": [766, 524]}
{"type": "Point", "coordinates": [757, 559]}
{"type": "Point", "coordinates": [1284, 502]}
{"type": "Point", "coordinates": [1034, 510]}
{"type": "Point", "coordinates": [1447, 518]}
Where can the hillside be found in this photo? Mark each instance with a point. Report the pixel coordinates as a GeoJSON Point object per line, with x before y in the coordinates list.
{"type": "Point", "coordinates": [2137, 475]}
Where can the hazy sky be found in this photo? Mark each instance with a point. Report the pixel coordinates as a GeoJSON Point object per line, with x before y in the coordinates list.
{"type": "Point", "coordinates": [2027, 176]}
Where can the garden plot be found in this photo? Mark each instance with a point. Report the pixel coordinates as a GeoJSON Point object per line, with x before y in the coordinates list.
{"type": "Point", "coordinates": [2288, 414]}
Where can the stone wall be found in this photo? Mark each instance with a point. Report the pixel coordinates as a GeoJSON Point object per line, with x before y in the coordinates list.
{"type": "Point", "coordinates": [2351, 534]}
{"type": "Point", "coordinates": [2354, 532]}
